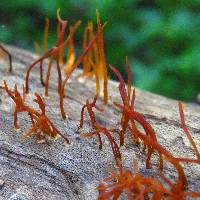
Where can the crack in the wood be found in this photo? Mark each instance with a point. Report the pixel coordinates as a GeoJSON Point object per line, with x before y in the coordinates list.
{"type": "Point", "coordinates": [169, 122]}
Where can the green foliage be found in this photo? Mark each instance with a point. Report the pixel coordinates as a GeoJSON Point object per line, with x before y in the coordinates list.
{"type": "Point", "coordinates": [160, 37]}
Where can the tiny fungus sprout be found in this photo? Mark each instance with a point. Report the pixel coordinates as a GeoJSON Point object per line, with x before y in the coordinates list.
{"type": "Point", "coordinates": [9, 56]}
{"type": "Point", "coordinates": [89, 107]}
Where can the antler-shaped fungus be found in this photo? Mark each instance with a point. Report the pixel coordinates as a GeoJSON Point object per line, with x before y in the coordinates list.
{"type": "Point", "coordinates": [98, 129]}
{"type": "Point", "coordinates": [73, 67]}
{"type": "Point", "coordinates": [20, 105]}
{"type": "Point", "coordinates": [52, 53]}
{"type": "Point", "coordinates": [40, 122]}
{"type": "Point", "coordinates": [137, 186]}
{"type": "Point", "coordinates": [126, 98]}
{"type": "Point", "coordinates": [154, 146]}
{"type": "Point", "coordinates": [133, 184]}
{"type": "Point", "coordinates": [43, 124]}
{"type": "Point", "coordinates": [94, 63]}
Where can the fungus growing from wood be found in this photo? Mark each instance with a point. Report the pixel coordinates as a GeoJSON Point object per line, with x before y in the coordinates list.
{"type": "Point", "coordinates": [52, 53]}
{"type": "Point", "coordinates": [98, 129]}
{"type": "Point", "coordinates": [130, 184]}
{"type": "Point", "coordinates": [186, 131]}
{"type": "Point", "coordinates": [20, 105]}
{"type": "Point", "coordinates": [41, 124]}
{"type": "Point", "coordinates": [71, 50]}
{"type": "Point", "coordinates": [134, 185]}
{"type": "Point", "coordinates": [94, 62]}
{"type": "Point", "coordinates": [126, 99]}
{"type": "Point", "coordinates": [74, 66]}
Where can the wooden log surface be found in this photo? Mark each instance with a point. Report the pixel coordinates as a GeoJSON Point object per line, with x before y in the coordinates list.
{"type": "Point", "coordinates": [55, 170]}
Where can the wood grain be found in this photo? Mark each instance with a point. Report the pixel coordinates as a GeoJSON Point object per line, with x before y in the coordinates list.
{"type": "Point", "coordinates": [54, 170]}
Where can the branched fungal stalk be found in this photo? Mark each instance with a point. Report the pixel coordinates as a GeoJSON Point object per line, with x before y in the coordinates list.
{"type": "Point", "coordinates": [126, 99]}
{"type": "Point", "coordinates": [41, 124]}
{"type": "Point", "coordinates": [153, 146]}
{"type": "Point", "coordinates": [20, 105]}
{"type": "Point", "coordinates": [52, 53]}
{"type": "Point", "coordinates": [94, 63]}
{"type": "Point", "coordinates": [149, 138]}
{"type": "Point", "coordinates": [134, 185]}
{"type": "Point", "coordinates": [74, 66]}
{"type": "Point", "coordinates": [98, 130]}
{"type": "Point", "coordinates": [137, 186]}
{"type": "Point", "coordinates": [71, 51]}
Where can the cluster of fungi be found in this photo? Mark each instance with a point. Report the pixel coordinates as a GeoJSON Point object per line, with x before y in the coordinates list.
{"type": "Point", "coordinates": [123, 182]}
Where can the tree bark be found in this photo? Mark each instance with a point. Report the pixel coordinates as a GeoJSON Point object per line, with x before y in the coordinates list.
{"type": "Point", "coordinates": [55, 170]}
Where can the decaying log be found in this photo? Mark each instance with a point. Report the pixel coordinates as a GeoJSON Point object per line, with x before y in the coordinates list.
{"type": "Point", "coordinates": [55, 170]}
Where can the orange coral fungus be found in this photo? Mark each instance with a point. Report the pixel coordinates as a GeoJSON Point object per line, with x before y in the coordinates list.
{"type": "Point", "coordinates": [131, 184]}
{"type": "Point", "coordinates": [126, 98]}
{"type": "Point", "coordinates": [149, 138]}
{"type": "Point", "coordinates": [89, 107]}
{"type": "Point", "coordinates": [153, 146]}
{"type": "Point", "coordinates": [9, 56]}
{"type": "Point", "coordinates": [52, 53]}
{"type": "Point", "coordinates": [91, 61]}
{"type": "Point", "coordinates": [102, 57]}
{"type": "Point", "coordinates": [40, 122]}
{"type": "Point", "coordinates": [99, 129]}
{"type": "Point", "coordinates": [128, 102]}
{"type": "Point", "coordinates": [136, 186]}
{"type": "Point", "coordinates": [19, 100]}
{"type": "Point", "coordinates": [94, 63]}
{"type": "Point", "coordinates": [186, 131]}
{"type": "Point", "coordinates": [71, 50]}
{"type": "Point", "coordinates": [74, 66]}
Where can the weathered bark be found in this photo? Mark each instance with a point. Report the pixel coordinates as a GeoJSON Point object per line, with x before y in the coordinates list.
{"type": "Point", "coordinates": [54, 170]}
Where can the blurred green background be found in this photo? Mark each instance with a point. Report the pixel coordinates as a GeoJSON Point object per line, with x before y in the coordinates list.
{"type": "Point", "coordinates": [160, 37]}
